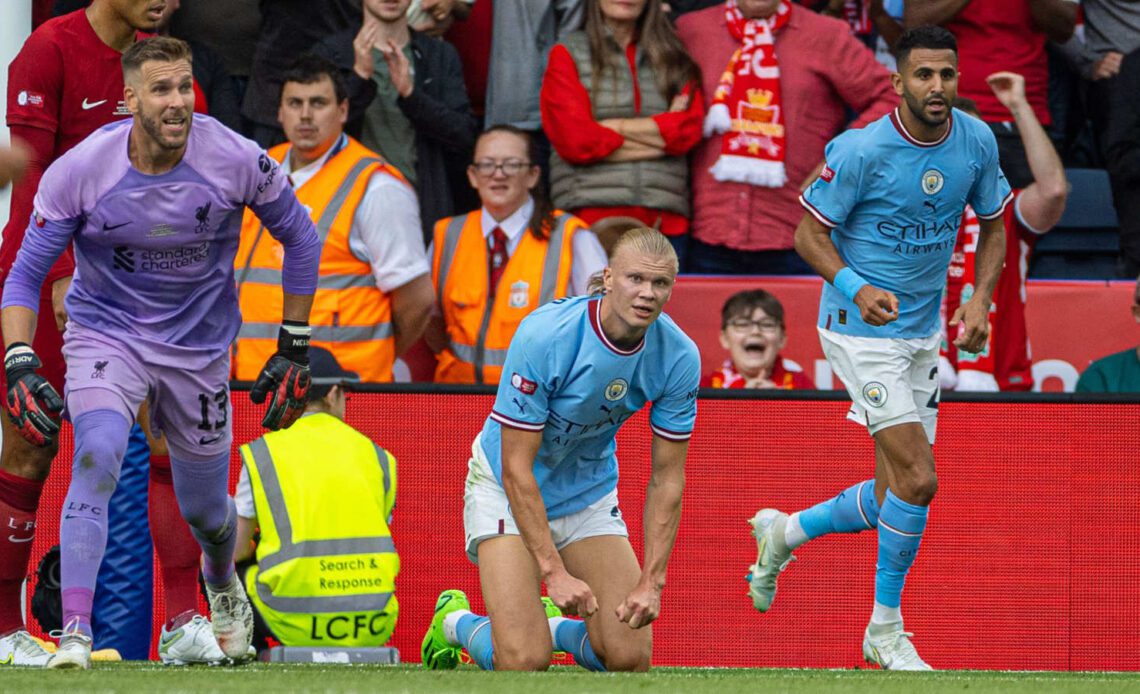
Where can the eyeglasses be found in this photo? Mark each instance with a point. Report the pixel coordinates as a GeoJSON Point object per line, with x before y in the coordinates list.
{"type": "Point", "coordinates": [745, 324]}
{"type": "Point", "coordinates": [510, 167]}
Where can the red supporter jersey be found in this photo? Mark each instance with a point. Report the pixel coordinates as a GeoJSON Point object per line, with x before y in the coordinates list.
{"type": "Point", "coordinates": [727, 377]}
{"type": "Point", "coordinates": [996, 35]}
{"type": "Point", "coordinates": [1007, 357]}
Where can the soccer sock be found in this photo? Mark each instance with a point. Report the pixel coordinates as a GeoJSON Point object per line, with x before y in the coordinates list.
{"type": "Point", "coordinates": [100, 442]}
{"type": "Point", "coordinates": [200, 487]}
{"type": "Point", "coordinates": [178, 552]}
{"type": "Point", "coordinates": [570, 635]}
{"type": "Point", "coordinates": [451, 626]}
{"type": "Point", "coordinates": [19, 499]}
{"type": "Point", "coordinates": [853, 510]}
{"type": "Point", "coordinates": [900, 532]}
{"type": "Point", "coordinates": [474, 634]}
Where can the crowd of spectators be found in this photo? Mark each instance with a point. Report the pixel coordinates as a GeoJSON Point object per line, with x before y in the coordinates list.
{"type": "Point", "coordinates": [704, 119]}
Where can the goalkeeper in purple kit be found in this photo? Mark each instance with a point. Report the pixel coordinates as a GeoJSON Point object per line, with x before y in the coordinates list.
{"type": "Point", "coordinates": [153, 206]}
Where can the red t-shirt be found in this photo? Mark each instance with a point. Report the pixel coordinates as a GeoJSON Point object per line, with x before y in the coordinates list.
{"type": "Point", "coordinates": [996, 35]}
{"type": "Point", "coordinates": [568, 119]}
{"type": "Point", "coordinates": [1007, 356]}
{"type": "Point", "coordinates": [727, 377]}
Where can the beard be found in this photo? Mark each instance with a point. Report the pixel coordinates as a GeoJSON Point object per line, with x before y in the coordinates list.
{"type": "Point", "coordinates": [917, 109]}
{"type": "Point", "coordinates": [153, 127]}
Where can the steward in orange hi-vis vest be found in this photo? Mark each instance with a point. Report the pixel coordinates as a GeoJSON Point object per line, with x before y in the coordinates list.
{"type": "Point", "coordinates": [480, 326]}
{"type": "Point", "coordinates": [351, 317]}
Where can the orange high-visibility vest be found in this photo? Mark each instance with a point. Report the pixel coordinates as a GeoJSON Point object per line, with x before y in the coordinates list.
{"type": "Point", "coordinates": [480, 326]}
{"type": "Point", "coordinates": [351, 317]}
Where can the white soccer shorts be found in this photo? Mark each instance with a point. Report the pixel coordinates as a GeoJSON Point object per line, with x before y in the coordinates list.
{"type": "Point", "coordinates": [890, 380]}
{"type": "Point", "coordinates": [487, 512]}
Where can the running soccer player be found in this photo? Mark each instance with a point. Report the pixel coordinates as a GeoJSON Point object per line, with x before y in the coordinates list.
{"type": "Point", "coordinates": [154, 206]}
{"type": "Point", "coordinates": [880, 227]}
{"type": "Point", "coordinates": [541, 503]}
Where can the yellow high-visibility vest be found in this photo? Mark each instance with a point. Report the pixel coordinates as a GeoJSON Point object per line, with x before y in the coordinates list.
{"type": "Point", "coordinates": [326, 563]}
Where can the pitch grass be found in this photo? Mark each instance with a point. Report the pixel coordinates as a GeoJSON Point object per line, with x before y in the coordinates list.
{"type": "Point", "coordinates": [276, 678]}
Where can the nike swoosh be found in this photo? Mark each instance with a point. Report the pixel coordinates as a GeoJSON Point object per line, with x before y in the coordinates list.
{"type": "Point", "coordinates": [89, 106]}
{"type": "Point", "coordinates": [446, 599]}
{"type": "Point", "coordinates": [112, 227]}
{"type": "Point", "coordinates": [203, 441]}
{"type": "Point", "coordinates": [13, 538]}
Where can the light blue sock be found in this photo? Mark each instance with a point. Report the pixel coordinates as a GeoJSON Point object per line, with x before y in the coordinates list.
{"type": "Point", "coordinates": [474, 634]}
{"type": "Point", "coordinates": [854, 510]}
{"type": "Point", "coordinates": [571, 636]}
{"type": "Point", "coordinates": [900, 531]}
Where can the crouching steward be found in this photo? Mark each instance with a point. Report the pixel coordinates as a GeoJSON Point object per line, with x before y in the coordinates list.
{"type": "Point", "coordinates": [322, 494]}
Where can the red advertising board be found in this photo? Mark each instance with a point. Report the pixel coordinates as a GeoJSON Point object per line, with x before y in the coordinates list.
{"type": "Point", "coordinates": [1032, 548]}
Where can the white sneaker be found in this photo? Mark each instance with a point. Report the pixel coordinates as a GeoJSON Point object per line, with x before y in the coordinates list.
{"type": "Point", "coordinates": [232, 618]}
{"type": "Point", "coordinates": [74, 652]}
{"type": "Point", "coordinates": [772, 556]}
{"type": "Point", "coordinates": [193, 643]}
{"type": "Point", "coordinates": [21, 648]}
{"type": "Point", "coordinates": [889, 647]}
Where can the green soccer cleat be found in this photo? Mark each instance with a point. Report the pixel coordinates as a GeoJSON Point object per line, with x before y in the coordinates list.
{"type": "Point", "coordinates": [550, 608]}
{"type": "Point", "coordinates": [436, 653]}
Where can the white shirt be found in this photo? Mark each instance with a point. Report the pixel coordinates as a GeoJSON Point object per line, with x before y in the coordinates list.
{"type": "Point", "coordinates": [386, 231]}
{"type": "Point", "coordinates": [587, 255]}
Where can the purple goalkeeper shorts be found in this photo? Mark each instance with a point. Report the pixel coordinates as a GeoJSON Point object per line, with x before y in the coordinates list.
{"type": "Point", "coordinates": [190, 407]}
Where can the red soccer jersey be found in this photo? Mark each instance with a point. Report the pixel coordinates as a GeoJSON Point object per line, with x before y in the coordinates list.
{"type": "Point", "coordinates": [1007, 357]}
{"type": "Point", "coordinates": [727, 377]}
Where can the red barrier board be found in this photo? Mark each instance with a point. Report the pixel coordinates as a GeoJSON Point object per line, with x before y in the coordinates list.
{"type": "Point", "coordinates": [1070, 323]}
{"type": "Point", "coordinates": [1030, 561]}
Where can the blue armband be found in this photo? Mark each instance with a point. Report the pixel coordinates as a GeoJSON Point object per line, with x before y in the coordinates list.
{"type": "Point", "coordinates": [848, 282]}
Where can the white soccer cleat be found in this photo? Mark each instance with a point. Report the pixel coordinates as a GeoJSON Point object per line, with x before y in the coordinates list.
{"type": "Point", "coordinates": [772, 556]}
{"type": "Point", "coordinates": [193, 643]}
{"type": "Point", "coordinates": [889, 647]}
{"type": "Point", "coordinates": [21, 648]}
{"type": "Point", "coordinates": [232, 618]}
{"type": "Point", "coordinates": [74, 652]}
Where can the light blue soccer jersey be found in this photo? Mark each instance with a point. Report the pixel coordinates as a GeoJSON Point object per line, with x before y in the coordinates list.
{"type": "Point", "coordinates": [894, 205]}
{"type": "Point", "coordinates": [563, 377]}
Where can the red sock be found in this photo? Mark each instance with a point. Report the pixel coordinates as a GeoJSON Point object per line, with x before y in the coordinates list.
{"type": "Point", "coordinates": [19, 499]}
{"type": "Point", "coordinates": [178, 551]}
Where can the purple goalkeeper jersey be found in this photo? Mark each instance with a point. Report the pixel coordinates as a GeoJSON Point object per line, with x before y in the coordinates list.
{"type": "Point", "coordinates": [154, 255]}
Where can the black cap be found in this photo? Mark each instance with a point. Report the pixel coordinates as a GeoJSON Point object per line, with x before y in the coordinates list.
{"type": "Point", "coordinates": [326, 370]}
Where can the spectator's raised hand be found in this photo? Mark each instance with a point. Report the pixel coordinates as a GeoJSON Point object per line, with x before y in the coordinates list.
{"type": "Point", "coordinates": [399, 69]}
{"type": "Point", "coordinates": [1108, 66]}
{"type": "Point", "coordinates": [1008, 87]}
{"type": "Point", "coordinates": [363, 64]}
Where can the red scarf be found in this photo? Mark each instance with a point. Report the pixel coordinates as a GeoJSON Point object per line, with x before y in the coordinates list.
{"type": "Point", "coordinates": [747, 106]}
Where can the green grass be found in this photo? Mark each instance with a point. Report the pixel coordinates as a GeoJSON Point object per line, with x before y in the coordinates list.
{"type": "Point", "coordinates": [271, 679]}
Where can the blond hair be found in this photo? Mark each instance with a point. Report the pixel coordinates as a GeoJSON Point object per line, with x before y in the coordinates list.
{"type": "Point", "coordinates": [641, 241]}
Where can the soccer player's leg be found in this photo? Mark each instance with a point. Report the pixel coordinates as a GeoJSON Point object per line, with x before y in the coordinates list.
{"type": "Point", "coordinates": [609, 566]}
{"type": "Point", "coordinates": [105, 385]}
{"type": "Point", "coordinates": [510, 582]}
{"type": "Point", "coordinates": [198, 438]}
{"type": "Point", "coordinates": [23, 469]}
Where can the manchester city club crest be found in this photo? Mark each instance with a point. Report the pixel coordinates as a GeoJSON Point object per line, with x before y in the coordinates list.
{"type": "Point", "coordinates": [520, 294]}
{"type": "Point", "coordinates": [617, 389]}
{"type": "Point", "coordinates": [932, 181]}
{"type": "Point", "coordinates": [875, 394]}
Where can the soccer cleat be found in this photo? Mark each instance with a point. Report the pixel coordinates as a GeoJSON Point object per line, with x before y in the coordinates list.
{"type": "Point", "coordinates": [889, 647]}
{"type": "Point", "coordinates": [772, 556]}
{"type": "Point", "coordinates": [232, 618]}
{"type": "Point", "coordinates": [74, 652]}
{"type": "Point", "coordinates": [436, 652]}
{"type": "Point", "coordinates": [192, 643]}
{"type": "Point", "coordinates": [21, 648]}
{"type": "Point", "coordinates": [552, 611]}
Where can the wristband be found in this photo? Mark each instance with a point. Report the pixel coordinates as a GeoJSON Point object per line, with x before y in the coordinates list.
{"type": "Point", "coordinates": [20, 355]}
{"type": "Point", "coordinates": [848, 282]}
{"type": "Point", "coordinates": [294, 337]}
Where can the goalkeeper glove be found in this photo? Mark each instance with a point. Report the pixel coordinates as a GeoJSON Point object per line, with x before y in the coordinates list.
{"type": "Point", "coordinates": [285, 378]}
{"type": "Point", "coordinates": [32, 404]}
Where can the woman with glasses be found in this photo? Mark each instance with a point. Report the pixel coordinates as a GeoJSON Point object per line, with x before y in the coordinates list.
{"type": "Point", "coordinates": [493, 266]}
{"type": "Point", "coordinates": [620, 103]}
{"type": "Point", "coordinates": [752, 330]}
